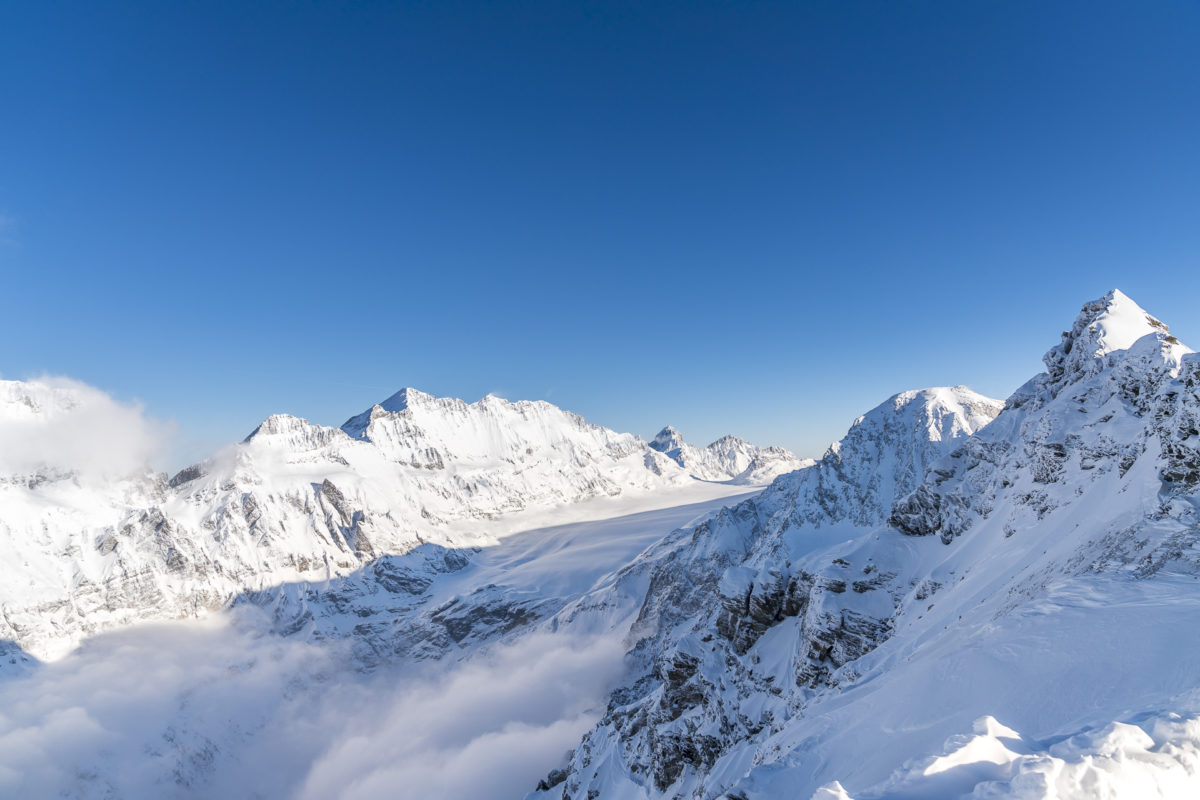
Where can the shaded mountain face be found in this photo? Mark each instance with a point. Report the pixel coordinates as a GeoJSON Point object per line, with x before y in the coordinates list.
{"type": "Point", "coordinates": [936, 566]}
{"type": "Point", "coordinates": [92, 549]}
{"type": "Point", "coordinates": [728, 458]}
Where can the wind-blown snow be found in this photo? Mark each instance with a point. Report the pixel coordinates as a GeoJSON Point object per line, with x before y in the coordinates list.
{"type": "Point", "coordinates": [1156, 759]}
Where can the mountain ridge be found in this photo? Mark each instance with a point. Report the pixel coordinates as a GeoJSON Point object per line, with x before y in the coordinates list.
{"type": "Point", "coordinates": [293, 501]}
{"type": "Point", "coordinates": [830, 623]}
{"type": "Point", "coordinates": [728, 458]}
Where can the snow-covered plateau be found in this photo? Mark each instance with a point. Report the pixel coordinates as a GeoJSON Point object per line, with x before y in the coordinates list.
{"type": "Point", "coordinates": [962, 598]}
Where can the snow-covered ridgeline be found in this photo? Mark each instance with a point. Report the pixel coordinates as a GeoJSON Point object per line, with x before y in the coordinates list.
{"type": "Point", "coordinates": [108, 542]}
{"type": "Point", "coordinates": [728, 458]}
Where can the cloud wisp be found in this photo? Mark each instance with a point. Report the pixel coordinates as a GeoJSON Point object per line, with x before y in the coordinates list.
{"type": "Point", "coordinates": [59, 425]}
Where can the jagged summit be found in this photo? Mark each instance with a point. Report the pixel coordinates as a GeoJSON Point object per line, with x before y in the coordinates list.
{"type": "Point", "coordinates": [667, 439]}
{"type": "Point", "coordinates": [885, 455]}
{"type": "Point", "coordinates": [1112, 322]}
{"type": "Point", "coordinates": [402, 400]}
{"type": "Point", "coordinates": [728, 458]}
{"type": "Point", "coordinates": [945, 412]}
{"type": "Point", "coordinates": [1060, 548]}
{"type": "Point", "coordinates": [1104, 326]}
{"type": "Point", "coordinates": [1117, 391]}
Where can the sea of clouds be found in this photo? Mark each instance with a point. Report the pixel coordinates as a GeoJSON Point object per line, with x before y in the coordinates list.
{"type": "Point", "coordinates": [223, 708]}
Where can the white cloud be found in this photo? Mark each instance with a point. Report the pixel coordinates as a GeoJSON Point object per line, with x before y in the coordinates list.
{"type": "Point", "coordinates": [63, 425]}
{"type": "Point", "coordinates": [490, 728]}
{"type": "Point", "coordinates": [214, 709]}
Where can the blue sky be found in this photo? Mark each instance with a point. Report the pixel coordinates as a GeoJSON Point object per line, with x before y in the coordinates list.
{"type": "Point", "coordinates": [757, 218]}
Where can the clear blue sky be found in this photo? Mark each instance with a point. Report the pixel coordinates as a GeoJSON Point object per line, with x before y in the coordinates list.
{"type": "Point", "coordinates": [757, 218]}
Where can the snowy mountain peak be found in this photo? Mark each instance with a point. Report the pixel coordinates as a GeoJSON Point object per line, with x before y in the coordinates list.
{"type": "Point", "coordinates": [944, 413]}
{"type": "Point", "coordinates": [399, 402]}
{"type": "Point", "coordinates": [1113, 322]}
{"type": "Point", "coordinates": [1114, 411]}
{"type": "Point", "coordinates": [405, 398]}
{"type": "Point", "coordinates": [1109, 324]}
{"type": "Point", "coordinates": [667, 439]}
{"type": "Point", "coordinates": [885, 455]}
{"type": "Point", "coordinates": [727, 458]}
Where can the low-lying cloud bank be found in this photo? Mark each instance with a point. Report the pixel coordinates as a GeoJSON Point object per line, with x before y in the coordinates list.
{"type": "Point", "coordinates": [219, 708]}
{"type": "Point", "coordinates": [489, 728]}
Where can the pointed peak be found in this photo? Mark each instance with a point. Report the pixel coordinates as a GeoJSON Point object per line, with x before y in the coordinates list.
{"type": "Point", "coordinates": [405, 398]}
{"type": "Point", "coordinates": [728, 440]}
{"type": "Point", "coordinates": [667, 439]}
{"type": "Point", "coordinates": [1105, 325]}
{"type": "Point", "coordinates": [1113, 322]}
{"type": "Point", "coordinates": [402, 400]}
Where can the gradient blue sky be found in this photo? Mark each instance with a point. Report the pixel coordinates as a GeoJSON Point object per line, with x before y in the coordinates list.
{"type": "Point", "coordinates": [754, 218]}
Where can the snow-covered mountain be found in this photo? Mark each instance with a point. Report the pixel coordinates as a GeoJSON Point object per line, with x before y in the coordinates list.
{"type": "Point", "coordinates": [962, 597]}
{"type": "Point", "coordinates": [92, 550]}
{"type": "Point", "coordinates": [728, 458]}
{"type": "Point", "coordinates": [840, 626]}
